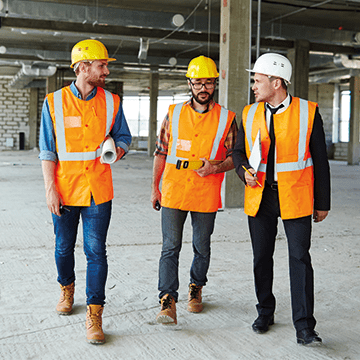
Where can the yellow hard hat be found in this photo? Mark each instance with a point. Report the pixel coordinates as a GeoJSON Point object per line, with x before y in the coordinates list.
{"type": "Point", "coordinates": [202, 68]}
{"type": "Point", "coordinates": [89, 50]}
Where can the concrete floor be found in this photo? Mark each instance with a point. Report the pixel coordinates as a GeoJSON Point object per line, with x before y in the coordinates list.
{"type": "Point", "coordinates": [30, 328]}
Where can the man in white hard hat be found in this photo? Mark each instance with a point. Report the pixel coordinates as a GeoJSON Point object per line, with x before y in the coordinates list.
{"type": "Point", "coordinates": [75, 122]}
{"type": "Point", "coordinates": [290, 180]}
{"type": "Point", "coordinates": [197, 131]}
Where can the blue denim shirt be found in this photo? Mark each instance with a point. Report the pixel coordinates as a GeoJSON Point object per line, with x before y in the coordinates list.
{"type": "Point", "coordinates": [120, 131]}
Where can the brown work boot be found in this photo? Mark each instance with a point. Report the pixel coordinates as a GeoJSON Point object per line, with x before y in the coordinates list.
{"type": "Point", "coordinates": [94, 331]}
{"type": "Point", "coordinates": [194, 299]}
{"type": "Point", "coordinates": [167, 315]}
{"type": "Point", "coordinates": [64, 306]}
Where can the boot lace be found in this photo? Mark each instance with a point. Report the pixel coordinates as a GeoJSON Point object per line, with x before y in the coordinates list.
{"type": "Point", "coordinates": [95, 320]}
{"type": "Point", "coordinates": [167, 303]}
{"type": "Point", "coordinates": [194, 291]}
{"type": "Point", "coordinates": [67, 292]}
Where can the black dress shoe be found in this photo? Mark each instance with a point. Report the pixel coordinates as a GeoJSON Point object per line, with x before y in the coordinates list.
{"type": "Point", "coordinates": [308, 336]}
{"type": "Point", "coordinates": [261, 324]}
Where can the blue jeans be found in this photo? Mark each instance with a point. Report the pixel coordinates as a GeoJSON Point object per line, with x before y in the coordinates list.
{"type": "Point", "coordinates": [96, 220]}
{"type": "Point", "coordinates": [172, 221]}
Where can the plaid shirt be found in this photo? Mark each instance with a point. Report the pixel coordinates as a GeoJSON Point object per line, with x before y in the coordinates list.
{"type": "Point", "coordinates": [162, 142]}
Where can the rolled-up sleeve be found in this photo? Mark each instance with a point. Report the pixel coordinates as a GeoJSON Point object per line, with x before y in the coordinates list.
{"type": "Point", "coordinates": [120, 131]}
{"type": "Point", "coordinates": [231, 137]}
{"type": "Point", "coordinates": [47, 143]}
{"type": "Point", "coordinates": [162, 142]}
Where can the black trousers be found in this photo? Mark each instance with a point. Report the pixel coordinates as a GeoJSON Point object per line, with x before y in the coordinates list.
{"type": "Point", "coordinates": [263, 231]}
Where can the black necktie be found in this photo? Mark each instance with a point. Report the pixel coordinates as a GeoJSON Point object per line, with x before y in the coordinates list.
{"type": "Point", "coordinates": [271, 155]}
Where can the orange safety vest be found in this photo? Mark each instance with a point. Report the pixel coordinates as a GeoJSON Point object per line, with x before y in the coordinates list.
{"type": "Point", "coordinates": [194, 136]}
{"type": "Point", "coordinates": [80, 128]}
{"type": "Point", "coordinates": [294, 164]}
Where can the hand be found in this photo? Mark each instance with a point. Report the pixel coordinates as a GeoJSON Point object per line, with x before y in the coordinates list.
{"type": "Point", "coordinates": [156, 199]}
{"type": "Point", "coordinates": [251, 180]}
{"type": "Point", "coordinates": [120, 152]}
{"type": "Point", "coordinates": [319, 215]}
{"type": "Point", "coordinates": [53, 201]}
{"type": "Point", "coordinates": [206, 169]}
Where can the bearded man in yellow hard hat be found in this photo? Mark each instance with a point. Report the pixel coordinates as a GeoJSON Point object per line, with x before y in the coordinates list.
{"type": "Point", "coordinates": [75, 122]}
{"type": "Point", "coordinates": [192, 153]}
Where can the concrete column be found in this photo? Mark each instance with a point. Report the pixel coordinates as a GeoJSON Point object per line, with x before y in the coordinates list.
{"type": "Point", "coordinates": [234, 80]}
{"type": "Point", "coordinates": [51, 84]}
{"type": "Point", "coordinates": [354, 136]}
{"type": "Point", "coordinates": [154, 92]}
{"type": "Point", "coordinates": [299, 58]}
{"type": "Point", "coordinates": [33, 115]}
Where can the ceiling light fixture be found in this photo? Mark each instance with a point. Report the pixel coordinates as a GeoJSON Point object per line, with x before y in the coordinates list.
{"type": "Point", "coordinates": [172, 61]}
{"type": "Point", "coordinates": [357, 37]}
{"type": "Point", "coordinates": [143, 49]}
{"type": "Point", "coordinates": [178, 20]}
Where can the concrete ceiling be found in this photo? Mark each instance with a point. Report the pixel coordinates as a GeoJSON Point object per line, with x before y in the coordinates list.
{"type": "Point", "coordinates": [37, 36]}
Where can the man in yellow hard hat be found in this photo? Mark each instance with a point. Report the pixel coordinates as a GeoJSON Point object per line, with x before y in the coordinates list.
{"type": "Point", "coordinates": [198, 131]}
{"type": "Point", "coordinates": [75, 122]}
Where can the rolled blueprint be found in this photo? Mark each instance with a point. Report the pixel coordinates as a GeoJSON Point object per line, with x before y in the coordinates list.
{"type": "Point", "coordinates": [108, 154]}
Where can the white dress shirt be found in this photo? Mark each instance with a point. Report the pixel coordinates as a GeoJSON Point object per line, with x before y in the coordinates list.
{"type": "Point", "coordinates": [286, 104]}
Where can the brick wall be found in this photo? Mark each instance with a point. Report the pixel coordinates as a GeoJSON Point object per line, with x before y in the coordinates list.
{"type": "Point", "coordinates": [341, 151]}
{"type": "Point", "coordinates": [323, 94]}
{"type": "Point", "coordinates": [14, 116]}
{"type": "Point", "coordinates": [41, 97]}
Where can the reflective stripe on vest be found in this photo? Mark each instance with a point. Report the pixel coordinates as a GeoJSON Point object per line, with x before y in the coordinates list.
{"type": "Point", "coordinates": [60, 129]}
{"type": "Point", "coordinates": [172, 159]}
{"type": "Point", "coordinates": [300, 164]}
{"type": "Point", "coordinates": [249, 123]}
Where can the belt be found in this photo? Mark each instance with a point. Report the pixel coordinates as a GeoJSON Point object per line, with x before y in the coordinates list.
{"type": "Point", "coordinates": [273, 186]}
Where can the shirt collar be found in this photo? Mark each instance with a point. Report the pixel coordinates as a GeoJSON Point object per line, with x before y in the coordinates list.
{"type": "Point", "coordinates": [209, 108]}
{"type": "Point", "coordinates": [285, 103]}
{"type": "Point", "coordinates": [76, 92]}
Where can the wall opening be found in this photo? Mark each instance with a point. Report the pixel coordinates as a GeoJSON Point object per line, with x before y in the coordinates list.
{"type": "Point", "coordinates": [136, 110]}
{"type": "Point", "coordinates": [344, 121]}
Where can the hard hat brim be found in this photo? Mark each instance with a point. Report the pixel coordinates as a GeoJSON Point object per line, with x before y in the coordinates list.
{"type": "Point", "coordinates": [252, 71]}
{"type": "Point", "coordinates": [109, 59]}
{"type": "Point", "coordinates": [204, 77]}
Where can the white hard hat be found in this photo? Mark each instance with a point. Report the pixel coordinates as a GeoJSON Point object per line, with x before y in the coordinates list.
{"type": "Point", "coordinates": [273, 64]}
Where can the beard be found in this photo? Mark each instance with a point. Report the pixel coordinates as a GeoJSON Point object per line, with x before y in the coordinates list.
{"type": "Point", "coordinates": [96, 81]}
{"type": "Point", "coordinates": [200, 101]}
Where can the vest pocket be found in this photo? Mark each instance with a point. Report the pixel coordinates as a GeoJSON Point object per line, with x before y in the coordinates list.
{"type": "Point", "coordinates": [183, 145]}
{"type": "Point", "coordinates": [72, 121]}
